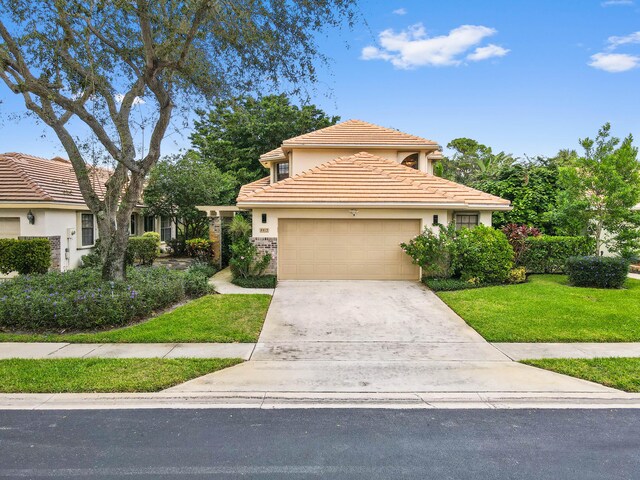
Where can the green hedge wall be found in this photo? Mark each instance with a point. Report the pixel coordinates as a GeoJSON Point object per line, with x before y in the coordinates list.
{"type": "Point", "coordinates": [597, 272]}
{"type": "Point", "coordinates": [26, 256]}
{"type": "Point", "coordinates": [143, 249]}
{"type": "Point", "coordinates": [547, 254]}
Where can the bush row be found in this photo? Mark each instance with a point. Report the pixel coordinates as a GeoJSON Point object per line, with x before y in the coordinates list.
{"type": "Point", "coordinates": [81, 300]}
{"type": "Point", "coordinates": [546, 254]}
{"type": "Point", "coordinates": [26, 256]}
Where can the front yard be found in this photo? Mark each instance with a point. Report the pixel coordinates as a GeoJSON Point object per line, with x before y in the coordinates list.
{"type": "Point", "coordinates": [620, 373]}
{"type": "Point", "coordinates": [102, 375]}
{"type": "Point", "coordinates": [548, 309]}
{"type": "Point", "coordinates": [213, 318]}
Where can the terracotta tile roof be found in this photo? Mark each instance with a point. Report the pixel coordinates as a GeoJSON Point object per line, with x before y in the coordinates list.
{"type": "Point", "coordinates": [25, 178]}
{"type": "Point", "coordinates": [276, 154]}
{"type": "Point", "coordinates": [357, 133]}
{"type": "Point", "coordinates": [366, 178]}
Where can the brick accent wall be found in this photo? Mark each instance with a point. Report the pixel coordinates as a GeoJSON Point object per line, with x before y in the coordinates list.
{"type": "Point", "coordinates": [215, 235]}
{"type": "Point", "coordinates": [268, 245]}
{"type": "Point", "coordinates": [56, 254]}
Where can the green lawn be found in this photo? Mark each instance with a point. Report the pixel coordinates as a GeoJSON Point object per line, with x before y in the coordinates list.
{"type": "Point", "coordinates": [620, 373]}
{"type": "Point", "coordinates": [547, 309]}
{"type": "Point", "coordinates": [80, 375]}
{"type": "Point", "coordinates": [213, 318]}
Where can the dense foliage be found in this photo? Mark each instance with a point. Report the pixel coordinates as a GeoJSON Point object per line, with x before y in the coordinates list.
{"type": "Point", "coordinates": [177, 185]}
{"type": "Point", "coordinates": [517, 235]}
{"type": "Point", "coordinates": [245, 260]}
{"type": "Point", "coordinates": [81, 300]}
{"type": "Point", "coordinates": [449, 284]}
{"type": "Point", "coordinates": [201, 249]}
{"type": "Point", "coordinates": [143, 249]}
{"type": "Point", "coordinates": [547, 254]}
{"type": "Point", "coordinates": [433, 251]}
{"type": "Point", "coordinates": [26, 256]}
{"type": "Point", "coordinates": [264, 281]}
{"type": "Point", "coordinates": [235, 132]}
{"type": "Point", "coordinates": [597, 272]}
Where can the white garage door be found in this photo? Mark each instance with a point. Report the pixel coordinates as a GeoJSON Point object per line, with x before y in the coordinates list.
{"type": "Point", "coordinates": [9, 227]}
{"type": "Point", "coordinates": [345, 249]}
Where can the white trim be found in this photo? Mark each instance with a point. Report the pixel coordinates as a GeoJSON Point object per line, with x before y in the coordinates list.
{"type": "Point", "coordinates": [419, 146]}
{"type": "Point", "coordinates": [376, 205]}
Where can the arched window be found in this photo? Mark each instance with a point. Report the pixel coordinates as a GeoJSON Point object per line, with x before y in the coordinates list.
{"type": "Point", "coordinates": [411, 161]}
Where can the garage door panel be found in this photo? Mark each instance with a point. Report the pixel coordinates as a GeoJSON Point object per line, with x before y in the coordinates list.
{"type": "Point", "coordinates": [10, 227]}
{"type": "Point", "coordinates": [326, 249]}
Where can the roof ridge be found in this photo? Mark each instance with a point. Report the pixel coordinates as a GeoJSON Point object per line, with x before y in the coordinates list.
{"type": "Point", "coordinates": [11, 161]}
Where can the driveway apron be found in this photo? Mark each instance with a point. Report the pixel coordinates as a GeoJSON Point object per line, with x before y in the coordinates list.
{"type": "Point", "coordinates": [374, 336]}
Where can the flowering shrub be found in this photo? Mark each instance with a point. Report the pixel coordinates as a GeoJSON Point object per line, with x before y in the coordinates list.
{"type": "Point", "coordinates": [598, 272]}
{"type": "Point", "coordinates": [432, 251]}
{"type": "Point", "coordinates": [516, 235]}
{"type": "Point", "coordinates": [81, 300]}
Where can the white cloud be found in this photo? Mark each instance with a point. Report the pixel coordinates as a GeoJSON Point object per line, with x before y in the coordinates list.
{"type": "Point", "coordinates": [412, 47]}
{"type": "Point", "coordinates": [400, 11]}
{"type": "Point", "coordinates": [614, 62]}
{"type": "Point", "coordinates": [136, 101]}
{"type": "Point", "coordinates": [484, 53]}
{"type": "Point", "coordinates": [615, 42]}
{"type": "Point", "coordinates": [617, 3]}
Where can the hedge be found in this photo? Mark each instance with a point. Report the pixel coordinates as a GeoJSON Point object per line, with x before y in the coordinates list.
{"type": "Point", "coordinates": [547, 254]}
{"type": "Point", "coordinates": [597, 272]}
{"type": "Point", "coordinates": [25, 256]}
{"type": "Point", "coordinates": [143, 249]}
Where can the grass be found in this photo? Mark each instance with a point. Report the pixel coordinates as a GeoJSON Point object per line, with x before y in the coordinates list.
{"type": "Point", "coordinates": [82, 375]}
{"type": "Point", "coordinates": [213, 318]}
{"type": "Point", "coordinates": [548, 309]}
{"type": "Point", "coordinates": [620, 373]}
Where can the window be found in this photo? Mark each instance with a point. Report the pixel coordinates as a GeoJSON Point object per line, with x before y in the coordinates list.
{"type": "Point", "coordinates": [149, 223]}
{"type": "Point", "coordinates": [464, 220]}
{"type": "Point", "coordinates": [411, 161]}
{"type": "Point", "coordinates": [282, 171]}
{"type": "Point", "coordinates": [133, 227]}
{"type": "Point", "coordinates": [165, 229]}
{"type": "Point", "coordinates": [87, 229]}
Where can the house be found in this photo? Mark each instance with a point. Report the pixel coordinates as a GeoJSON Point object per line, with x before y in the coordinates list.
{"type": "Point", "coordinates": [41, 198]}
{"type": "Point", "coordinates": [338, 202]}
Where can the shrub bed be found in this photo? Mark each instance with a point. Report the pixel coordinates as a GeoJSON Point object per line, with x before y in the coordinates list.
{"type": "Point", "coordinates": [449, 284]}
{"type": "Point", "coordinates": [263, 281]}
{"type": "Point", "coordinates": [81, 300]}
{"type": "Point", "coordinates": [26, 256]}
{"type": "Point", "coordinates": [598, 272]}
{"type": "Point", "coordinates": [547, 254]}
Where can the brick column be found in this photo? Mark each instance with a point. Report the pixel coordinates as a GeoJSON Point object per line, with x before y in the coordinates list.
{"type": "Point", "coordinates": [55, 249]}
{"type": "Point", "coordinates": [268, 245]}
{"type": "Point", "coordinates": [215, 235]}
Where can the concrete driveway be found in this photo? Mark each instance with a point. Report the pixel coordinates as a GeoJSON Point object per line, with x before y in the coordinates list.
{"type": "Point", "coordinates": [374, 336]}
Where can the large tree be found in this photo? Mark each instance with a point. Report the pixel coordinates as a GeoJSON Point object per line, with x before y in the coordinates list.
{"type": "Point", "coordinates": [86, 64]}
{"type": "Point", "coordinates": [471, 159]}
{"type": "Point", "coordinates": [599, 190]}
{"type": "Point", "coordinates": [235, 132]}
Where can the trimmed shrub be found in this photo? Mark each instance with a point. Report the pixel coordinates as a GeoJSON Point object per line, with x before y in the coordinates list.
{"type": "Point", "coordinates": [80, 300]}
{"type": "Point", "coordinates": [264, 281]}
{"type": "Point", "coordinates": [200, 248]}
{"type": "Point", "coordinates": [597, 272]}
{"type": "Point", "coordinates": [143, 249]}
{"type": "Point", "coordinates": [91, 260]}
{"type": "Point", "coordinates": [432, 251]}
{"type": "Point", "coordinates": [517, 275]}
{"type": "Point", "coordinates": [25, 256]}
{"type": "Point", "coordinates": [155, 236]}
{"type": "Point", "coordinates": [547, 254]}
{"type": "Point", "coordinates": [482, 255]}
{"type": "Point", "coordinates": [449, 284]}
{"type": "Point", "coordinates": [244, 261]}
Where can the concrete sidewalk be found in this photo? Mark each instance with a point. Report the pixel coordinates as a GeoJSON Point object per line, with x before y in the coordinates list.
{"type": "Point", "coordinates": [126, 350]}
{"type": "Point", "coordinates": [523, 351]}
{"type": "Point", "coordinates": [221, 283]}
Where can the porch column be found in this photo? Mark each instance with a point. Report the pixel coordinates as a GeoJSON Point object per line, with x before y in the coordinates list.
{"type": "Point", "coordinates": [215, 235]}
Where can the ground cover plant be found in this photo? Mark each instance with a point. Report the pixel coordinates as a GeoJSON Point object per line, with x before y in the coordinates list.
{"type": "Point", "coordinates": [93, 375]}
{"type": "Point", "coordinates": [620, 373]}
{"type": "Point", "coordinates": [548, 309]}
{"type": "Point", "coordinates": [213, 318]}
{"type": "Point", "coordinates": [264, 281]}
{"type": "Point", "coordinates": [81, 300]}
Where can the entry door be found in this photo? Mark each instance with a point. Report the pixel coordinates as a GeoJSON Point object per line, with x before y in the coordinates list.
{"type": "Point", "coordinates": [324, 249]}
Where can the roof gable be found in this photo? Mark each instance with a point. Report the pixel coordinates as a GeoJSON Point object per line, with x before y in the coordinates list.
{"type": "Point", "coordinates": [357, 133]}
{"type": "Point", "coordinates": [366, 178]}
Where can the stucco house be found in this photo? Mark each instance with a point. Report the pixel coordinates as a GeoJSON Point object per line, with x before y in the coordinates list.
{"type": "Point", "coordinates": [337, 202]}
{"type": "Point", "coordinates": [41, 198]}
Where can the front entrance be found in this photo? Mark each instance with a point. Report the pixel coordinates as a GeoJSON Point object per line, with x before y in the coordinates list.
{"type": "Point", "coordinates": [328, 249]}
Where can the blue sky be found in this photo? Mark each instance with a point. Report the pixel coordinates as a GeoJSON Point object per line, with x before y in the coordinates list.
{"type": "Point", "coordinates": [527, 77]}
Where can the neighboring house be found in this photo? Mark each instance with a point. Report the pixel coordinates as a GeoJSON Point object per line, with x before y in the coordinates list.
{"type": "Point", "coordinates": [41, 198]}
{"type": "Point", "coordinates": [338, 202]}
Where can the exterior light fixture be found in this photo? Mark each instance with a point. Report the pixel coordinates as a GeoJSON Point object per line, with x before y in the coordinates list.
{"type": "Point", "coordinates": [353, 212]}
{"type": "Point", "coordinates": [31, 218]}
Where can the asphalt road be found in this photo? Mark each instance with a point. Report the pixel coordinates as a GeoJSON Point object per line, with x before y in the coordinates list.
{"type": "Point", "coordinates": [334, 444]}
